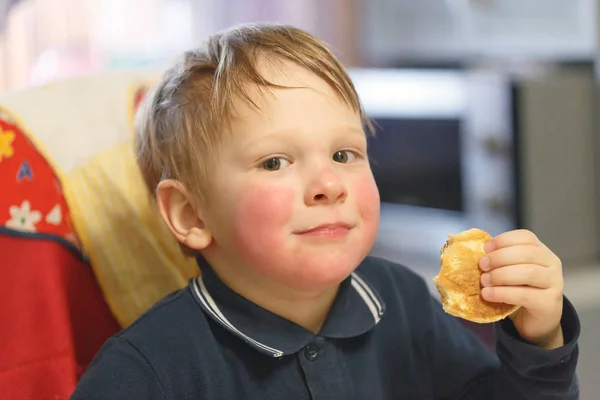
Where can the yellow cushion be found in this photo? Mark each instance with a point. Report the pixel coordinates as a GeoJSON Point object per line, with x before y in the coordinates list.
{"type": "Point", "coordinates": [135, 258]}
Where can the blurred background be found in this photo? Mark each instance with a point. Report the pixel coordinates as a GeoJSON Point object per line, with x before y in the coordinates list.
{"type": "Point", "coordinates": [487, 111]}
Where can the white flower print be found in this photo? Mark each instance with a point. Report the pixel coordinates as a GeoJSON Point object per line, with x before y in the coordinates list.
{"type": "Point", "coordinates": [23, 218]}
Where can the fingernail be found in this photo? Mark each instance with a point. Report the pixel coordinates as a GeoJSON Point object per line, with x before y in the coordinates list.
{"type": "Point", "coordinates": [485, 280]}
{"type": "Point", "coordinates": [484, 263]}
{"type": "Point", "coordinates": [486, 292]}
{"type": "Point", "coordinates": [489, 247]}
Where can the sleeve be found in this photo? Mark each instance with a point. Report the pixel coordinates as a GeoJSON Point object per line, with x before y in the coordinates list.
{"type": "Point", "coordinates": [119, 372]}
{"type": "Point", "coordinates": [462, 368]}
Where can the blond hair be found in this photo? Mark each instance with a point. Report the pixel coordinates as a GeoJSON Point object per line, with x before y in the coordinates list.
{"type": "Point", "coordinates": [180, 124]}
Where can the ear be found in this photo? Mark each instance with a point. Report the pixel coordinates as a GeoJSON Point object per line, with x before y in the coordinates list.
{"type": "Point", "coordinates": [178, 212]}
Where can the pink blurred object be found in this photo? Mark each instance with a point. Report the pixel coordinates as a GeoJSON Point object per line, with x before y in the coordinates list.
{"type": "Point", "coordinates": [62, 62]}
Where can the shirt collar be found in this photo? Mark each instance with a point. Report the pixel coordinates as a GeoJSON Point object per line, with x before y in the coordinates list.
{"type": "Point", "coordinates": [356, 310]}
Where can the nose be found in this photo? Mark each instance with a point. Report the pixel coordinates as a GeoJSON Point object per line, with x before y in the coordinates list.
{"type": "Point", "coordinates": [326, 188]}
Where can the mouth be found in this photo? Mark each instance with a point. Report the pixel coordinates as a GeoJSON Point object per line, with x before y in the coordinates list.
{"type": "Point", "coordinates": [331, 230]}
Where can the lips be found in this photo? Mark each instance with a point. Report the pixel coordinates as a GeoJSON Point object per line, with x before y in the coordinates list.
{"type": "Point", "coordinates": [336, 229]}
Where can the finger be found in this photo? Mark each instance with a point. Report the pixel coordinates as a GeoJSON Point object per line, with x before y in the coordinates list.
{"type": "Point", "coordinates": [528, 297]}
{"type": "Point", "coordinates": [513, 238]}
{"type": "Point", "coordinates": [518, 275]}
{"type": "Point", "coordinates": [515, 255]}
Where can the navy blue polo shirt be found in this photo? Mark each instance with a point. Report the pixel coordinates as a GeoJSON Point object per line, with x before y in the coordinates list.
{"type": "Point", "coordinates": [385, 337]}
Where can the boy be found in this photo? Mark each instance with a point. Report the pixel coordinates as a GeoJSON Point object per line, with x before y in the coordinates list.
{"type": "Point", "coordinates": [255, 148]}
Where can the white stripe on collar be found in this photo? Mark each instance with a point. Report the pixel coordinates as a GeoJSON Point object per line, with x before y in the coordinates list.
{"type": "Point", "coordinates": [371, 298]}
{"type": "Point", "coordinates": [210, 306]}
{"type": "Point", "coordinates": [366, 298]}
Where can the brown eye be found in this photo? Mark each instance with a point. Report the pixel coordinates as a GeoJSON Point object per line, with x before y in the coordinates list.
{"type": "Point", "coordinates": [272, 164]}
{"type": "Point", "coordinates": [343, 156]}
{"type": "Point", "coordinates": [275, 164]}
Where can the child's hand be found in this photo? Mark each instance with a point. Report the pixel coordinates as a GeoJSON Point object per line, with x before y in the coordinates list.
{"type": "Point", "coordinates": [521, 270]}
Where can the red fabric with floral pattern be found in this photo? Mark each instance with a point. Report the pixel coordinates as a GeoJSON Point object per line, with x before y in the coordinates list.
{"type": "Point", "coordinates": [32, 199]}
{"type": "Point", "coordinates": [54, 314]}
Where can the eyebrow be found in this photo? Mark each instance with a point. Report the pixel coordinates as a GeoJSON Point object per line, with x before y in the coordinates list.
{"type": "Point", "coordinates": [351, 129]}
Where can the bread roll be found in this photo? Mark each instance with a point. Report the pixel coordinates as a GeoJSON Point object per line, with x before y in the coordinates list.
{"type": "Point", "coordinates": [459, 280]}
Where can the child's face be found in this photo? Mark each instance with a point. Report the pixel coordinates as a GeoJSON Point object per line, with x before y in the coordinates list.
{"type": "Point", "coordinates": [295, 201]}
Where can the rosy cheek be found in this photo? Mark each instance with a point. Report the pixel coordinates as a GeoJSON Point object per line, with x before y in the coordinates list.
{"type": "Point", "coordinates": [367, 201]}
{"type": "Point", "coordinates": [262, 216]}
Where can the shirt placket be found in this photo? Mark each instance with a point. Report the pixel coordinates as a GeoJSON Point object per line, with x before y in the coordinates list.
{"type": "Point", "coordinates": [318, 361]}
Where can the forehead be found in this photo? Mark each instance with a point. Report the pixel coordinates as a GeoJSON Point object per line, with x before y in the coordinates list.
{"type": "Point", "coordinates": [303, 99]}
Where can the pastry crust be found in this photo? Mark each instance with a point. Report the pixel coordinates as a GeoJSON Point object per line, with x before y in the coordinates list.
{"type": "Point", "coordinates": [459, 280]}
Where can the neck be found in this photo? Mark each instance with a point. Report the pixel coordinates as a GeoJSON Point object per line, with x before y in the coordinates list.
{"type": "Point", "coordinates": [307, 310]}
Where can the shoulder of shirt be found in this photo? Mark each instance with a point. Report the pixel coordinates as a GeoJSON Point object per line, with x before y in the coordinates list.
{"type": "Point", "coordinates": [174, 310]}
{"type": "Point", "coordinates": [390, 278]}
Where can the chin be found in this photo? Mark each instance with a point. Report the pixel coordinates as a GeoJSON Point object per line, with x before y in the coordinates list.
{"type": "Point", "coordinates": [310, 265]}
{"type": "Point", "coordinates": [322, 270]}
